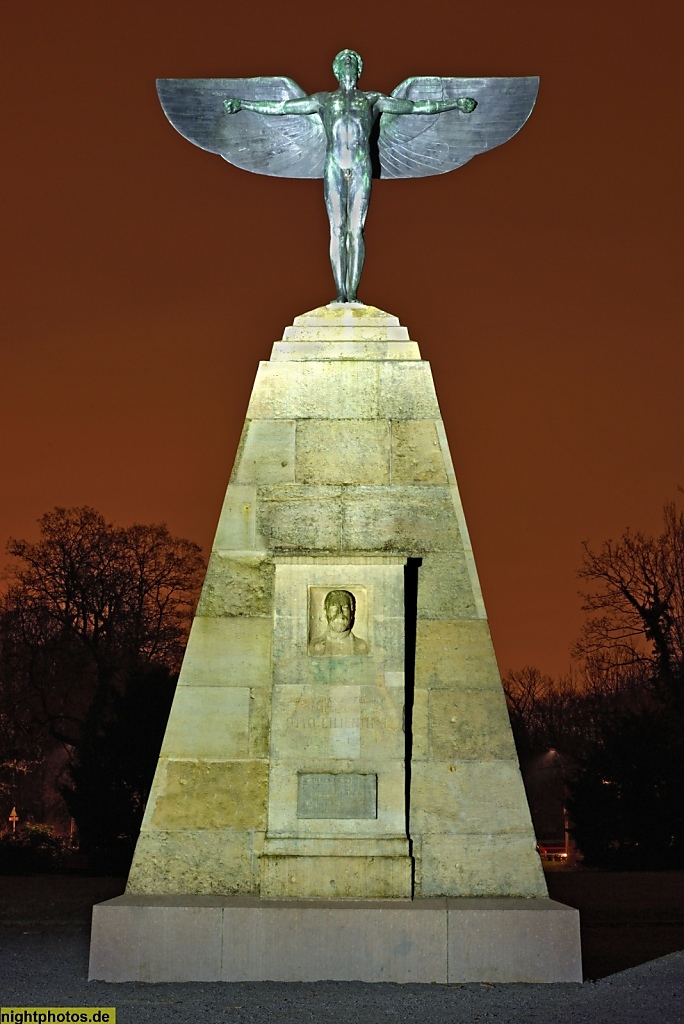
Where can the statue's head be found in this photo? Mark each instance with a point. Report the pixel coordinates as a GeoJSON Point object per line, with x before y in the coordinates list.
{"type": "Point", "coordinates": [347, 64]}
{"type": "Point", "coordinates": [340, 606]}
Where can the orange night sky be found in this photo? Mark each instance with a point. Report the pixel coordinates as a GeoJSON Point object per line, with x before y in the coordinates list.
{"type": "Point", "coordinates": [143, 279]}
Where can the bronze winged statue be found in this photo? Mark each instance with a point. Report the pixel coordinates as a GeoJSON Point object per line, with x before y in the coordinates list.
{"type": "Point", "coordinates": [347, 137]}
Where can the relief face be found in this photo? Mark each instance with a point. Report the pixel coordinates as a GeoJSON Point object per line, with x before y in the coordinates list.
{"type": "Point", "coordinates": [336, 620]}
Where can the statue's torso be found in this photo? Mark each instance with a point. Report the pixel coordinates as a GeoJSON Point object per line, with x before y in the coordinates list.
{"type": "Point", "coordinates": [348, 119]}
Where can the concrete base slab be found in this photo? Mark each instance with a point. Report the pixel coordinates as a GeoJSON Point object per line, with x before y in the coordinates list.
{"type": "Point", "coordinates": [243, 938]}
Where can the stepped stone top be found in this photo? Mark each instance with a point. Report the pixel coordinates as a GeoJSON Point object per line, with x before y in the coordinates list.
{"type": "Point", "coordinates": [347, 314]}
{"type": "Point", "coordinates": [347, 330]}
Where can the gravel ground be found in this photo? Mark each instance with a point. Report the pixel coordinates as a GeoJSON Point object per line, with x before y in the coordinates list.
{"type": "Point", "coordinates": [48, 968]}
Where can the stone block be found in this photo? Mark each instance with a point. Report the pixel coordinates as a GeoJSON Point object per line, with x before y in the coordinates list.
{"type": "Point", "coordinates": [301, 518]}
{"type": "Point", "coordinates": [293, 667]}
{"type": "Point", "coordinates": [454, 941]}
{"type": "Point", "coordinates": [343, 350]}
{"type": "Point", "coordinates": [310, 390]}
{"type": "Point", "coordinates": [388, 644]}
{"type": "Point", "coordinates": [499, 941]}
{"type": "Point", "coordinates": [455, 655]}
{"type": "Point", "coordinates": [416, 453]}
{"type": "Point", "coordinates": [337, 721]}
{"type": "Point", "coordinates": [196, 861]}
{"type": "Point", "coordinates": [407, 392]}
{"type": "Point", "coordinates": [259, 722]}
{"type": "Point", "coordinates": [155, 941]}
{"type": "Point", "coordinates": [238, 585]}
{"type": "Point", "coordinates": [352, 314]}
{"type": "Point", "coordinates": [402, 519]}
{"type": "Point", "coordinates": [342, 452]}
{"type": "Point", "coordinates": [357, 334]}
{"type": "Point", "coordinates": [468, 796]}
{"type": "Point", "coordinates": [465, 724]}
{"type": "Point", "coordinates": [338, 846]}
{"type": "Point", "coordinates": [445, 587]}
{"type": "Point", "coordinates": [335, 877]}
{"type": "Point", "coordinates": [228, 651]}
{"type": "Point", "coordinates": [480, 865]}
{"type": "Point", "coordinates": [236, 530]}
{"type": "Point", "coordinates": [419, 725]}
{"type": "Point", "coordinates": [208, 722]}
{"type": "Point", "coordinates": [266, 453]}
{"type": "Point", "coordinates": [212, 795]}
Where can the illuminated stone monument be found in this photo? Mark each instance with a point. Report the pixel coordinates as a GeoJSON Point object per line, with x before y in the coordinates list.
{"type": "Point", "coordinates": [338, 794]}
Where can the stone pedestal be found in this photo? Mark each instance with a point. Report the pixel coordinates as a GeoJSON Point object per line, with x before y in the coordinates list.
{"type": "Point", "coordinates": [339, 730]}
{"type": "Point", "coordinates": [243, 938]}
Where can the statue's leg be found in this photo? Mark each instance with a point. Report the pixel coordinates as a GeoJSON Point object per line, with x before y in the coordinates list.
{"type": "Point", "coordinates": [335, 190]}
{"type": "Point", "coordinates": [359, 197]}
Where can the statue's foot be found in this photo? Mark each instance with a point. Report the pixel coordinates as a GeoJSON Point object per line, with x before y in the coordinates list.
{"type": "Point", "coordinates": [343, 300]}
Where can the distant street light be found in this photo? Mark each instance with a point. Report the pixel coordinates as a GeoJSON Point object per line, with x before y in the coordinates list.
{"type": "Point", "coordinates": [14, 818]}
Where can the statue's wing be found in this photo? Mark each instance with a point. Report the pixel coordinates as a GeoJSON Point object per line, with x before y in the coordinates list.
{"type": "Point", "coordinates": [287, 145]}
{"type": "Point", "coordinates": [416, 145]}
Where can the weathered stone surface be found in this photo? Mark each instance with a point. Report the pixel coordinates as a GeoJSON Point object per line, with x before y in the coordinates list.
{"type": "Point", "coordinates": [465, 724]}
{"type": "Point", "coordinates": [266, 453]}
{"type": "Point", "coordinates": [236, 529]}
{"type": "Point", "coordinates": [484, 797]}
{"type": "Point", "coordinates": [308, 390]}
{"type": "Point", "coordinates": [416, 453]}
{"type": "Point", "coordinates": [259, 721]}
{"type": "Point", "coordinates": [208, 722]}
{"type": "Point", "coordinates": [419, 725]}
{"type": "Point", "coordinates": [337, 846]}
{"type": "Point", "coordinates": [343, 474]}
{"type": "Point", "coordinates": [212, 795]}
{"type": "Point", "coordinates": [480, 865]}
{"type": "Point", "coordinates": [196, 861]}
{"type": "Point", "coordinates": [335, 877]}
{"type": "Point", "coordinates": [343, 452]}
{"type": "Point", "coordinates": [238, 585]}
{"type": "Point", "coordinates": [351, 314]}
{"type": "Point", "coordinates": [402, 519]}
{"type": "Point", "coordinates": [228, 651]}
{"type": "Point", "coordinates": [407, 392]}
{"type": "Point", "coordinates": [286, 351]}
{"type": "Point", "coordinates": [301, 518]}
{"type": "Point", "coordinates": [331, 334]}
{"type": "Point", "coordinates": [445, 587]}
{"type": "Point", "coordinates": [337, 721]}
{"type": "Point", "coordinates": [455, 654]}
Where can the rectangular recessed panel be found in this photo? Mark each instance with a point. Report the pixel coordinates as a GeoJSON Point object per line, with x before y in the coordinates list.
{"type": "Point", "coordinates": [323, 795]}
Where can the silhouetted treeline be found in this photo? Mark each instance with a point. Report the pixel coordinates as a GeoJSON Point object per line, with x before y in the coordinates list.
{"type": "Point", "coordinates": [619, 720]}
{"type": "Point", "coordinates": [93, 623]}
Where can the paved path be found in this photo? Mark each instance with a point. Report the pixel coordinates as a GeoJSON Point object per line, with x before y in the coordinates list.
{"type": "Point", "coordinates": [48, 967]}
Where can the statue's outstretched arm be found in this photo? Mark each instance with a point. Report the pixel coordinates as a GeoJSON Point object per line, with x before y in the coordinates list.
{"type": "Point", "coordinates": [303, 105]}
{"type": "Point", "coordinates": [391, 105]}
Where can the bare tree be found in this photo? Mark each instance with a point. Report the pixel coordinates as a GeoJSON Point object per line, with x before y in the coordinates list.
{"type": "Point", "coordinates": [636, 603]}
{"type": "Point", "coordinates": [88, 604]}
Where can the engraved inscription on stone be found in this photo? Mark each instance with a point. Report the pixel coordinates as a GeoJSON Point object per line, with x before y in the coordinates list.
{"type": "Point", "coordinates": [323, 795]}
{"type": "Point", "coordinates": [338, 622]}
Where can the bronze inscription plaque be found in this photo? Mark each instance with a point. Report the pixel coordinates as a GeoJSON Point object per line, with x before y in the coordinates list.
{"type": "Point", "coordinates": [323, 795]}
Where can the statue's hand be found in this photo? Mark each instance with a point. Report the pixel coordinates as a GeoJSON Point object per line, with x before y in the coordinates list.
{"type": "Point", "coordinates": [232, 106]}
{"type": "Point", "coordinates": [467, 105]}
